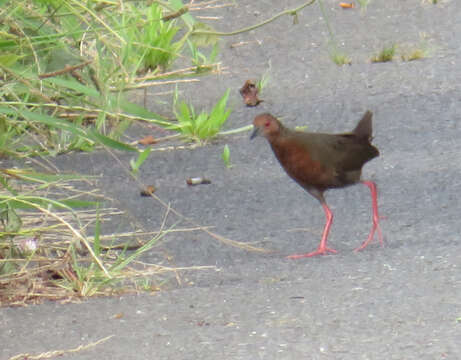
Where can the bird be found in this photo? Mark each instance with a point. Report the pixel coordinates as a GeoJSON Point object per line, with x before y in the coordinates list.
{"type": "Point", "coordinates": [319, 161]}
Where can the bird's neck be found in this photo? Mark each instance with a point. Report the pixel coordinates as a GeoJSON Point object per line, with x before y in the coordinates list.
{"type": "Point", "coordinates": [278, 136]}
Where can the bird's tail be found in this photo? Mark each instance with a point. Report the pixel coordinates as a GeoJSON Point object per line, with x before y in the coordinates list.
{"type": "Point", "coordinates": [363, 130]}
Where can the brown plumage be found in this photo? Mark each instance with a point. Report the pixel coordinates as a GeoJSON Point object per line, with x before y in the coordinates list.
{"type": "Point", "coordinates": [319, 162]}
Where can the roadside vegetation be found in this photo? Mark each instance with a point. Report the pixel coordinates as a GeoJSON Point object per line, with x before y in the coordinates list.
{"type": "Point", "coordinates": [386, 54]}
{"type": "Point", "coordinates": [68, 69]}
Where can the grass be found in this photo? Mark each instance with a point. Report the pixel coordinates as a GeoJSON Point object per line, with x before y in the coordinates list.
{"type": "Point", "coordinates": [66, 68]}
{"type": "Point", "coordinates": [226, 156]}
{"type": "Point", "coordinates": [73, 63]}
{"type": "Point", "coordinates": [265, 78]}
{"type": "Point", "coordinates": [336, 55]}
{"type": "Point", "coordinates": [417, 52]}
{"type": "Point", "coordinates": [410, 53]}
{"type": "Point", "coordinates": [202, 126]}
{"type": "Point", "coordinates": [47, 253]}
{"type": "Point", "coordinates": [385, 55]}
{"type": "Point", "coordinates": [44, 250]}
{"type": "Point", "coordinates": [340, 58]}
{"type": "Point", "coordinates": [414, 54]}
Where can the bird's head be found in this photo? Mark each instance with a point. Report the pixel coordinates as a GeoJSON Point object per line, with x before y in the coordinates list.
{"type": "Point", "coordinates": [266, 125]}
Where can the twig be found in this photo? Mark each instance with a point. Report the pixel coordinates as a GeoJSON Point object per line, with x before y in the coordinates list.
{"type": "Point", "coordinates": [184, 71]}
{"type": "Point", "coordinates": [152, 83]}
{"type": "Point", "coordinates": [67, 68]}
{"type": "Point", "coordinates": [55, 353]}
{"type": "Point", "coordinates": [176, 14]}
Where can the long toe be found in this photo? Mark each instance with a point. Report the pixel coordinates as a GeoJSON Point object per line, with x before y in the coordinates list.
{"type": "Point", "coordinates": [320, 251]}
{"type": "Point", "coordinates": [374, 229]}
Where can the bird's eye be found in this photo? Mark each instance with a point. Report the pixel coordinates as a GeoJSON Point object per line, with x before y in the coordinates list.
{"type": "Point", "coordinates": [267, 123]}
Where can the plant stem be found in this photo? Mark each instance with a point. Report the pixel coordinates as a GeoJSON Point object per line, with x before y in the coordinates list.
{"type": "Point", "coordinates": [249, 28]}
{"type": "Point", "coordinates": [236, 131]}
{"type": "Point", "coordinates": [330, 32]}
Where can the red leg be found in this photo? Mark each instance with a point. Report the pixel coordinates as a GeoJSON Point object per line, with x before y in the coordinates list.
{"type": "Point", "coordinates": [322, 249]}
{"type": "Point", "coordinates": [376, 218]}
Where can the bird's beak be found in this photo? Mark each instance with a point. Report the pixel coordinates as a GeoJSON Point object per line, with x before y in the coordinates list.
{"type": "Point", "coordinates": [254, 133]}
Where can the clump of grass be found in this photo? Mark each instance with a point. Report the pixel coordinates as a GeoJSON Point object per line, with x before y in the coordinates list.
{"type": "Point", "coordinates": [420, 51]}
{"type": "Point", "coordinates": [414, 54]}
{"type": "Point", "coordinates": [45, 252]}
{"type": "Point", "coordinates": [340, 58]}
{"type": "Point", "coordinates": [59, 77]}
{"type": "Point", "coordinates": [149, 41]}
{"type": "Point", "coordinates": [202, 126]}
{"type": "Point", "coordinates": [385, 55]}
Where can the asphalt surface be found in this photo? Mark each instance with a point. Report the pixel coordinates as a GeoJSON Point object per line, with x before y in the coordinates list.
{"type": "Point", "coordinates": [396, 302]}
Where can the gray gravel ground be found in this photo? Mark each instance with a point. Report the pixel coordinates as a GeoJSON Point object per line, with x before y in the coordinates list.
{"type": "Point", "coordinates": [396, 302]}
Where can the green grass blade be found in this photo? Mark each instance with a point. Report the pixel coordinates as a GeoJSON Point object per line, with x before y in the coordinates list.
{"type": "Point", "coordinates": [110, 143]}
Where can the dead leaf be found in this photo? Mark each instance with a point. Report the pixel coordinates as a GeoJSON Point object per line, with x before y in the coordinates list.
{"type": "Point", "coordinates": [148, 140]}
{"type": "Point", "coordinates": [249, 92]}
{"type": "Point", "coordinates": [345, 5]}
{"type": "Point", "coordinates": [148, 190]}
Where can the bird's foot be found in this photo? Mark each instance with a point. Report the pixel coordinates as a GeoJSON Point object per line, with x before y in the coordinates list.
{"type": "Point", "coordinates": [375, 228]}
{"type": "Point", "coordinates": [320, 251]}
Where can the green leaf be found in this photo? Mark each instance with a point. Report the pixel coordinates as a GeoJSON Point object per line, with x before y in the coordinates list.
{"type": "Point", "coordinates": [97, 238]}
{"type": "Point", "coordinates": [73, 84]}
{"type": "Point", "coordinates": [226, 156]}
{"type": "Point", "coordinates": [135, 165]}
{"type": "Point", "coordinates": [111, 143]}
{"type": "Point", "coordinates": [11, 220]}
{"type": "Point", "coordinates": [9, 60]}
{"type": "Point", "coordinates": [139, 111]}
{"type": "Point", "coordinates": [185, 113]}
{"type": "Point", "coordinates": [43, 178]}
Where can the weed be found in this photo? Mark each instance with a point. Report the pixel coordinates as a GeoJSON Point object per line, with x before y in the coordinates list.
{"type": "Point", "coordinates": [265, 78]}
{"type": "Point", "coordinates": [414, 54]}
{"type": "Point", "coordinates": [386, 54]}
{"type": "Point", "coordinates": [199, 60]}
{"type": "Point", "coordinates": [149, 45]}
{"type": "Point", "coordinates": [226, 156]}
{"type": "Point", "coordinates": [142, 157]}
{"type": "Point", "coordinates": [60, 77]}
{"type": "Point", "coordinates": [44, 237]}
{"type": "Point", "coordinates": [201, 126]}
{"type": "Point", "coordinates": [340, 58]}
{"type": "Point", "coordinates": [420, 51]}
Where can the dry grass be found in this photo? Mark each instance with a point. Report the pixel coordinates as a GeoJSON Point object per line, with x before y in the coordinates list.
{"type": "Point", "coordinates": [60, 254]}
{"type": "Point", "coordinates": [56, 353]}
{"type": "Point", "coordinates": [51, 257]}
